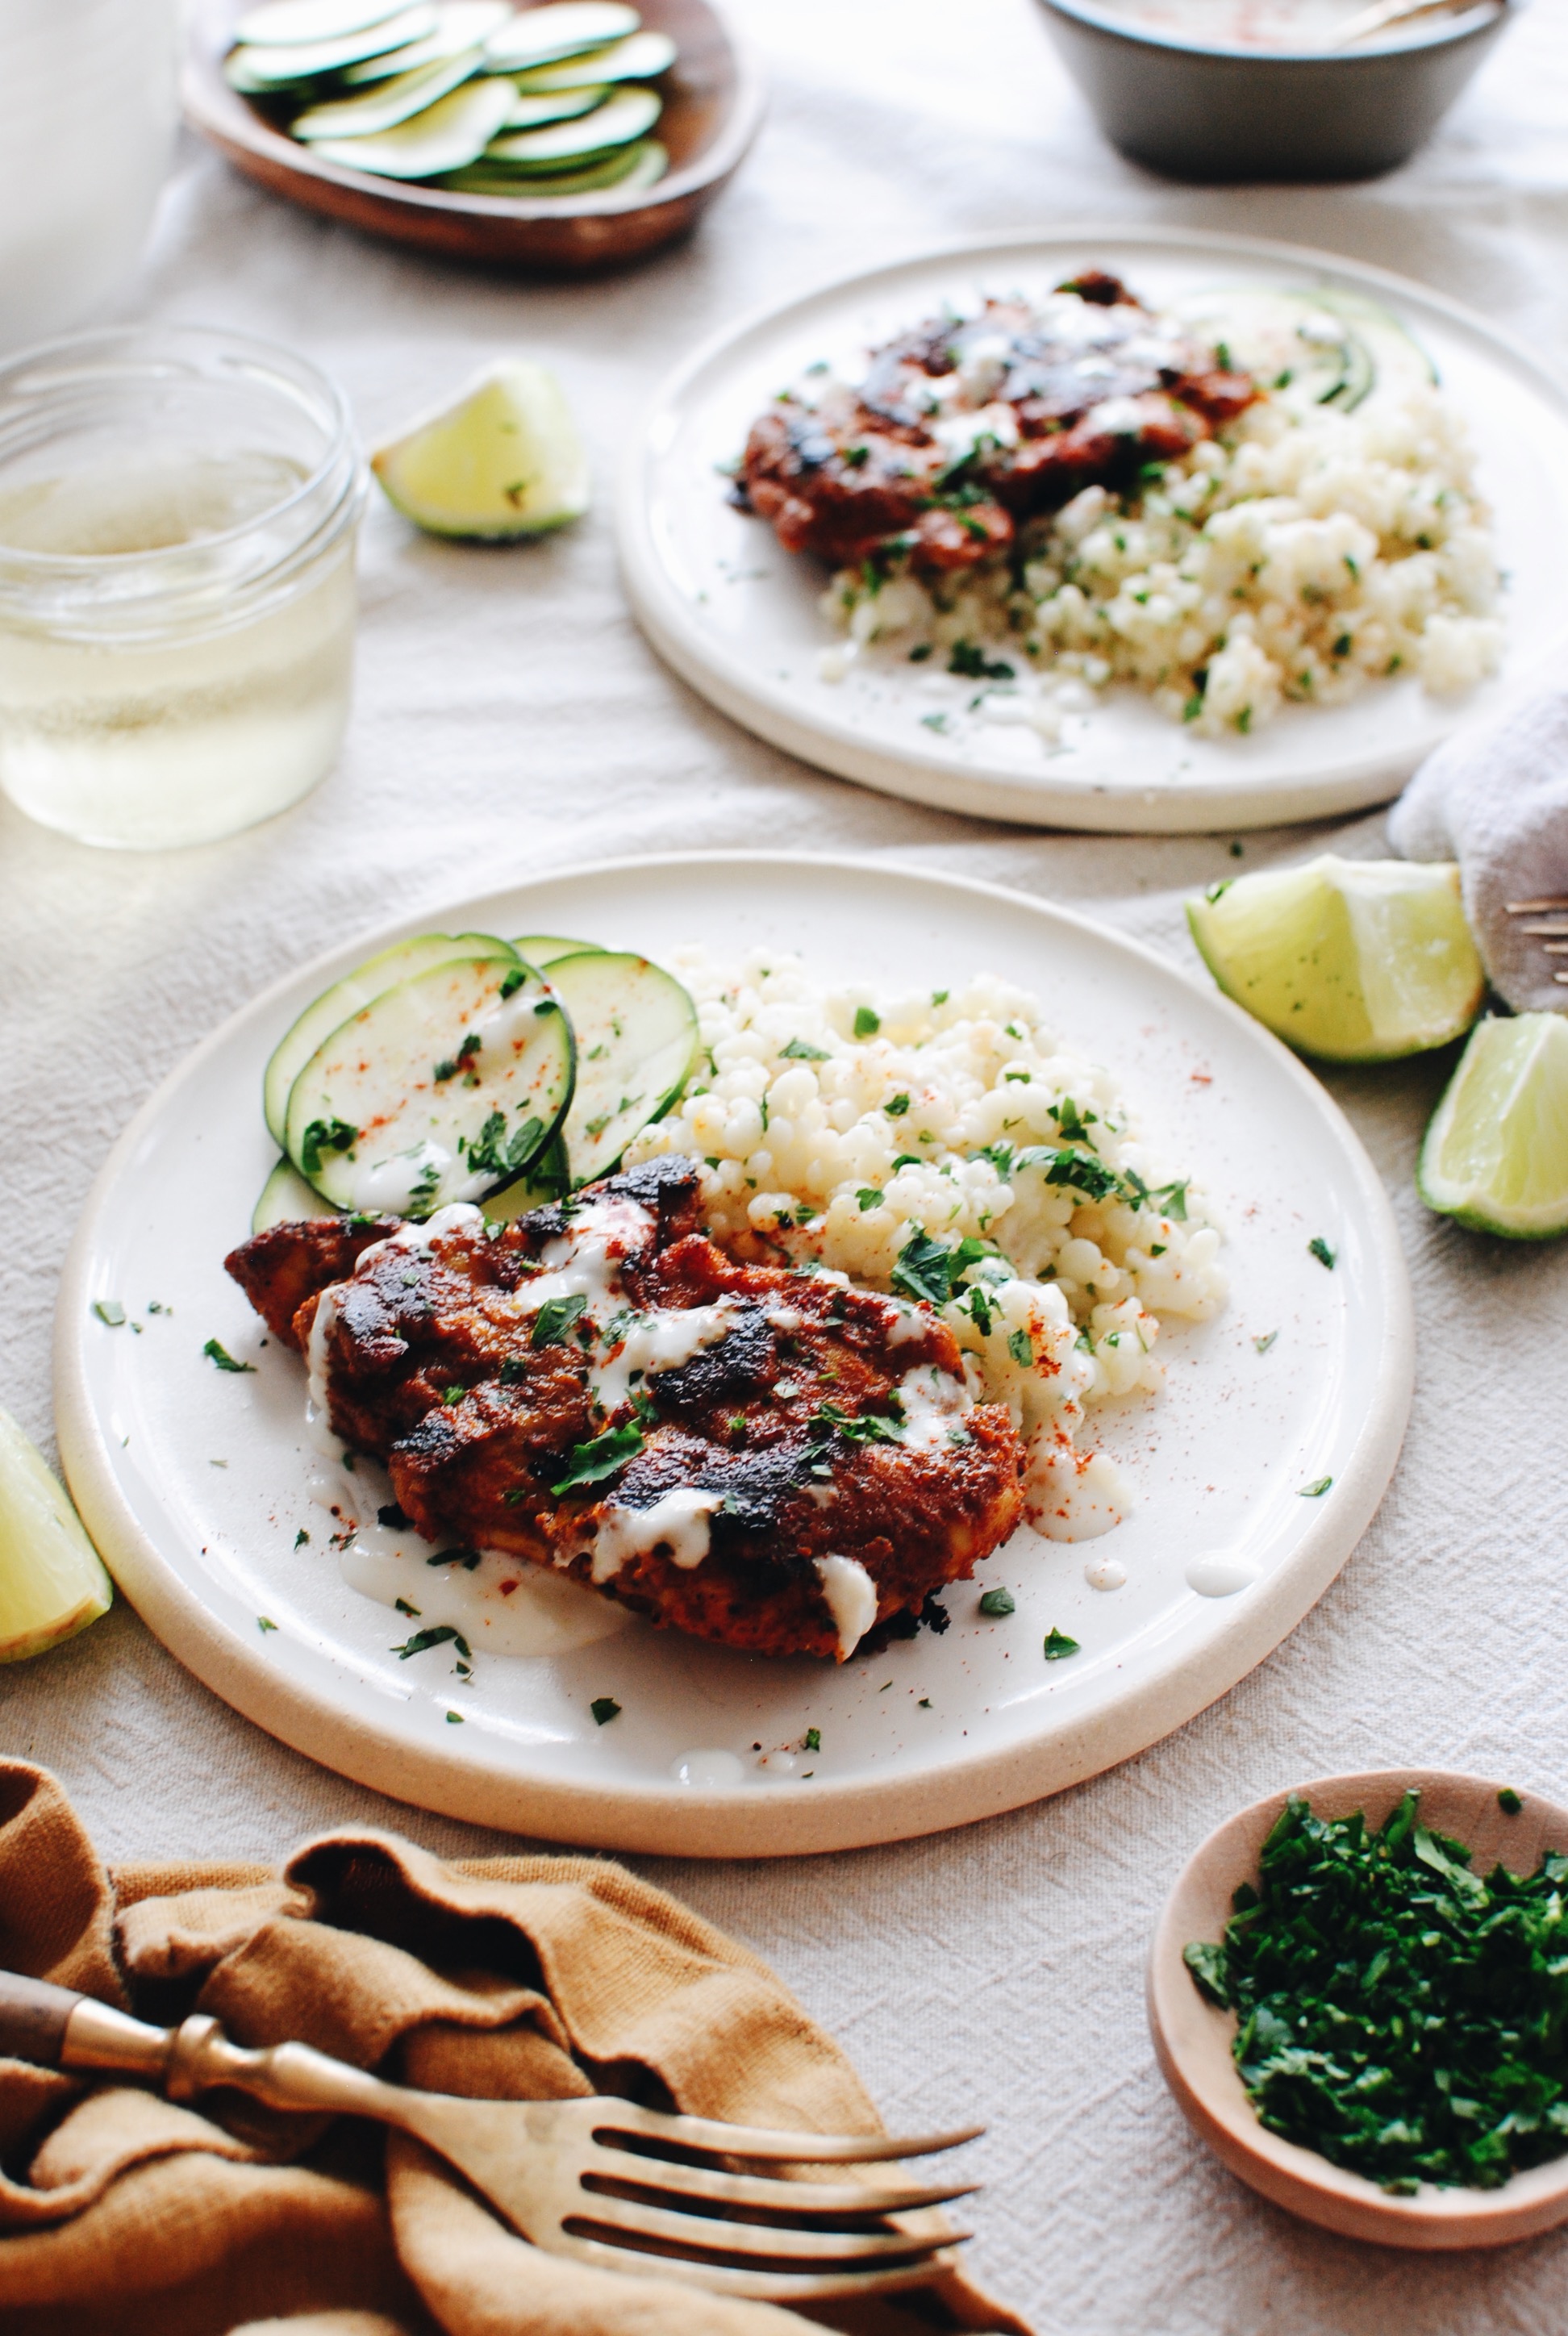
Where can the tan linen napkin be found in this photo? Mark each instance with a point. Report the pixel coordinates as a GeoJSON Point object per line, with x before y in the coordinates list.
{"type": "Point", "coordinates": [515, 1978]}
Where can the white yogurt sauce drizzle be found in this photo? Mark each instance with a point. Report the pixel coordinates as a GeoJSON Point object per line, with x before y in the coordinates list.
{"type": "Point", "coordinates": [502, 1606]}
{"type": "Point", "coordinates": [933, 1404]}
{"type": "Point", "coordinates": [851, 1597]}
{"type": "Point", "coordinates": [677, 1518]}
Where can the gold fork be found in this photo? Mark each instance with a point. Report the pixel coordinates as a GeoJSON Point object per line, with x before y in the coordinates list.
{"type": "Point", "coordinates": [602, 2179]}
{"type": "Point", "coordinates": [1553, 938]}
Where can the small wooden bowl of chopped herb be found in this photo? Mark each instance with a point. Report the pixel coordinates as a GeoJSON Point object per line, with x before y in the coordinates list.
{"type": "Point", "coordinates": [1358, 1994]}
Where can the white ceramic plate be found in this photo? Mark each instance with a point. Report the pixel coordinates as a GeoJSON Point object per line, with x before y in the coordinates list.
{"type": "Point", "coordinates": [737, 616]}
{"type": "Point", "coordinates": [193, 1481]}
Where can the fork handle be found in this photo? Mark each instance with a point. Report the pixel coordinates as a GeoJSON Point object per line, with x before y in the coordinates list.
{"type": "Point", "coordinates": [55, 2027]}
{"type": "Point", "coordinates": [34, 2015]}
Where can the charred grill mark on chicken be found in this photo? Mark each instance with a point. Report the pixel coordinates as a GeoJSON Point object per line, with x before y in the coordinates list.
{"type": "Point", "coordinates": [781, 1403]}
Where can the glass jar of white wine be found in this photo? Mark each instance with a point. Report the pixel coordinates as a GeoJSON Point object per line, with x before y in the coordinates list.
{"type": "Point", "coordinates": [177, 514]}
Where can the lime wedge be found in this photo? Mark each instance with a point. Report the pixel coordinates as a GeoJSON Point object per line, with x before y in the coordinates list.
{"type": "Point", "coordinates": [505, 461]}
{"type": "Point", "coordinates": [1358, 961]}
{"type": "Point", "coordinates": [1496, 1155]}
{"type": "Point", "coordinates": [51, 1580]}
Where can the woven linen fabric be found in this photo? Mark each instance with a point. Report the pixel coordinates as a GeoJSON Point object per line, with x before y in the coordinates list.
{"type": "Point", "coordinates": [500, 1979]}
{"type": "Point", "coordinates": [1495, 799]}
{"type": "Point", "coordinates": [508, 719]}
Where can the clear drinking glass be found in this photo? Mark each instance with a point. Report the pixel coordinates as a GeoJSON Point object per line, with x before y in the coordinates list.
{"type": "Point", "coordinates": [87, 109]}
{"type": "Point", "coordinates": [177, 514]}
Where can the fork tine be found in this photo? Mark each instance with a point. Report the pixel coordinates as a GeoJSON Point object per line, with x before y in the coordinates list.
{"type": "Point", "coordinates": [763, 2242]}
{"type": "Point", "coordinates": [768, 2287]}
{"type": "Point", "coordinates": [667, 2174]}
{"type": "Point", "coordinates": [762, 2141]}
{"type": "Point", "coordinates": [1533, 908]}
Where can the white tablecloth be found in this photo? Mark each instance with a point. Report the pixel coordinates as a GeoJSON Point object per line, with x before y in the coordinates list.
{"type": "Point", "coordinates": [510, 718]}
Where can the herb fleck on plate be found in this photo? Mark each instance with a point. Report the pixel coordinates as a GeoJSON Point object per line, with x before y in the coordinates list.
{"type": "Point", "coordinates": [220, 1354]}
{"type": "Point", "coordinates": [604, 1709]}
{"type": "Point", "coordinates": [1058, 1646]}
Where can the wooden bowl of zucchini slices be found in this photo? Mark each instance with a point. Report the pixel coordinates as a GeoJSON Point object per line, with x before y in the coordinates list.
{"type": "Point", "coordinates": [565, 135]}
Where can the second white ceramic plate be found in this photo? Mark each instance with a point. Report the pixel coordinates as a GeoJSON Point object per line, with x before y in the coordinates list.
{"type": "Point", "coordinates": [193, 1480]}
{"type": "Point", "coordinates": [737, 616]}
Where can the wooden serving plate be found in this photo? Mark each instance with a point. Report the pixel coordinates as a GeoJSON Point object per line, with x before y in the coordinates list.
{"type": "Point", "coordinates": [1193, 2035]}
{"type": "Point", "coordinates": [712, 108]}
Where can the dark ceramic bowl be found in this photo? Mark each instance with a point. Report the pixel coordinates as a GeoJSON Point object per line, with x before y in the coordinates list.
{"type": "Point", "coordinates": [1210, 113]}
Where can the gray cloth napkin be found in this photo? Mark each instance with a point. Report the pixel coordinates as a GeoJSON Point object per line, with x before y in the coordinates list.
{"type": "Point", "coordinates": [1495, 799]}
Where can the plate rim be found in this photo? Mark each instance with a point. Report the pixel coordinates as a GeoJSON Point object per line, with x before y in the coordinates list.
{"type": "Point", "coordinates": [660, 1816]}
{"type": "Point", "coordinates": [920, 775]}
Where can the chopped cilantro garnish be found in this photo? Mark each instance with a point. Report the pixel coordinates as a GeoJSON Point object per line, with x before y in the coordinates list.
{"type": "Point", "coordinates": [865, 1427]}
{"type": "Point", "coordinates": [998, 1602]}
{"type": "Point", "coordinates": [1263, 1343]}
{"type": "Point", "coordinates": [325, 1136]}
{"type": "Point", "coordinates": [1019, 1348]}
{"type": "Point", "coordinates": [604, 1709]}
{"type": "Point", "coordinates": [980, 1309]}
{"type": "Point", "coordinates": [604, 1455]}
{"type": "Point", "coordinates": [896, 1106]}
{"type": "Point", "coordinates": [1509, 1801]}
{"type": "Point", "coordinates": [454, 1719]}
{"type": "Point", "coordinates": [264, 1622]}
{"type": "Point", "coordinates": [512, 982]}
{"type": "Point", "coordinates": [800, 1050]}
{"type": "Point", "coordinates": [223, 1358]}
{"type": "Point", "coordinates": [869, 1197]}
{"type": "Point", "coordinates": [813, 1740]}
{"type": "Point", "coordinates": [300, 1538]}
{"type": "Point", "coordinates": [467, 1558]}
{"type": "Point", "coordinates": [1058, 1646]}
{"type": "Point", "coordinates": [868, 1022]}
{"type": "Point", "coordinates": [1315, 1490]}
{"type": "Point", "coordinates": [1319, 1248]}
{"type": "Point", "coordinates": [108, 1310]}
{"type": "Point", "coordinates": [494, 1153]}
{"type": "Point", "coordinates": [555, 1318]}
{"type": "Point", "coordinates": [403, 1607]}
{"type": "Point", "coordinates": [969, 662]}
{"type": "Point", "coordinates": [1397, 2013]}
{"type": "Point", "coordinates": [436, 1634]}
{"type": "Point", "coordinates": [928, 1271]}
{"type": "Point", "coordinates": [940, 997]}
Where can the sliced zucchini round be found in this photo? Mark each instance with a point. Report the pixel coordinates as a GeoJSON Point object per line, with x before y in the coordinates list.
{"type": "Point", "coordinates": [442, 1089]}
{"type": "Point", "coordinates": [307, 61]}
{"type": "Point", "coordinates": [629, 115]}
{"type": "Point", "coordinates": [1396, 356]}
{"type": "Point", "coordinates": [296, 24]}
{"type": "Point", "coordinates": [286, 1199]}
{"type": "Point", "coordinates": [452, 131]}
{"type": "Point", "coordinates": [565, 106]}
{"type": "Point", "coordinates": [642, 57]}
{"type": "Point", "coordinates": [538, 37]}
{"type": "Point", "coordinates": [388, 102]}
{"type": "Point", "coordinates": [636, 1039]}
{"type": "Point", "coordinates": [329, 1012]}
{"type": "Point", "coordinates": [464, 25]}
{"type": "Point", "coordinates": [543, 948]}
{"type": "Point", "coordinates": [1290, 342]}
{"type": "Point", "coordinates": [625, 169]}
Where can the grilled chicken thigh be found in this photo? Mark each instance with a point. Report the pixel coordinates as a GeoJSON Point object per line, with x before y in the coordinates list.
{"type": "Point", "coordinates": [962, 431]}
{"type": "Point", "coordinates": [753, 1454]}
